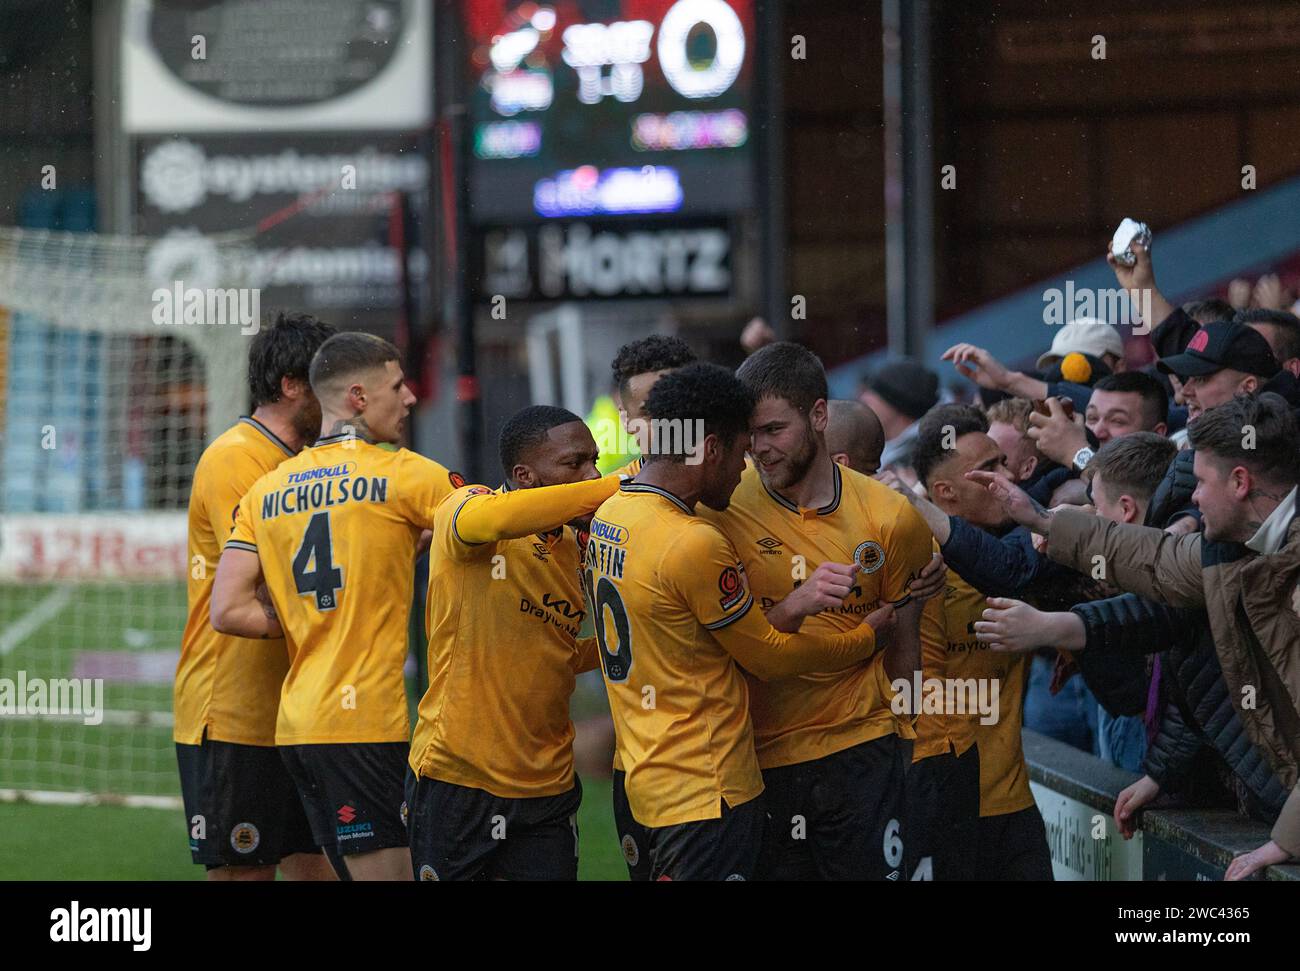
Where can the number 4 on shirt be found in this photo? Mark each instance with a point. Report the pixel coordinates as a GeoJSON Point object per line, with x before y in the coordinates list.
{"type": "Point", "coordinates": [325, 579]}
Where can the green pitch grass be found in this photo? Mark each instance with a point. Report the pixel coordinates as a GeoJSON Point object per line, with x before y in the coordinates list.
{"type": "Point", "coordinates": [116, 843]}
{"type": "Point", "coordinates": [129, 628]}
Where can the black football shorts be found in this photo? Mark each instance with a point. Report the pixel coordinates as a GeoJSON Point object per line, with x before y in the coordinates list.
{"type": "Point", "coordinates": [632, 836]}
{"type": "Point", "coordinates": [838, 817]}
{"type": "Point", "coordinates": [941, 817]}
{"type": "Point", "coordinates": [463, 833]}
{"type": "Point", "coordinates": [241, 806]}
{"type": "Point", "coordinates": [352, 793]}
{"type": "Point", "coordinates": [725, 848]}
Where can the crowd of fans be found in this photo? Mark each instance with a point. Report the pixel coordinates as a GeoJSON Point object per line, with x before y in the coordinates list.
{"type": "Point", "coordinates": [1166, 629]}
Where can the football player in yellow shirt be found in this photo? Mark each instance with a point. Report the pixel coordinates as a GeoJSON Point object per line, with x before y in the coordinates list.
{"type": "Point", "coordinates": [675, 623]}
{"type": "Point", "coordinates": [942, 800]}
{"type": "Point", "coordinates": [941, 791]}
{"type": "Point", "coordinates": [492, 793]}
{"type": "Point", "coordinates": [637, 366]}
{"type": "Point", "coordinates": [1011, 839]}
{"type": "Point", "coordinates": [242, 809]}
{"type": "Point", "coordinates": [829, 743]}
{"type": "Point", "coordinates": [333, 533]}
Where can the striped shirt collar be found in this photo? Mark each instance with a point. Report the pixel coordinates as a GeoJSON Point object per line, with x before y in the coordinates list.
{"type": "Point", "coordinates": [825, 510]}
{"type": "Point", "coordinates": [647, 487]}
{"type": "Point", "coordinates": [250, 420]}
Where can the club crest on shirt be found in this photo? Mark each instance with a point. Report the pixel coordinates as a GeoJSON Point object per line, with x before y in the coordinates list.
{"type": "Point", "coordinates": [731, 586]}
{"type": "Point", "coordinates": [870, 556]}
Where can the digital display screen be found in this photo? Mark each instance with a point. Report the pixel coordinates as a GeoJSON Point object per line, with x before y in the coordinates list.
{"type": "Point", "coordinates": [610, 108]}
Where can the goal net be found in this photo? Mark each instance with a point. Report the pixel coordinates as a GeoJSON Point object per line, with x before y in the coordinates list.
{"type": "Point", "coordinates": [109, 392]}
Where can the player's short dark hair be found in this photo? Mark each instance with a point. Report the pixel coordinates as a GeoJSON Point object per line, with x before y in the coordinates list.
{"type": "Point", "coordinates": [1287, 323]}
{"type": "Point", "coordinates": [1222, 432]}
{"type": "Point", "coordinates": [785, 370]}
{"type": "Point", "coordinates": [283, 350]}
{"type": "Point", "coordinates": [349, 353]}
{"type": "Point", "coordinates": [698, 392]}
{"type": "Point", "coordinates": [1133, 465]}
{"type": "Point", "coordinates": [1208, 311]}
{"type": "Point", "coordinates": [1155, 400]}
{"type": "Point", "coordinates": [658, 352]}
{"type": "Point", "coordinates": [527, 429]}
{"type": "Point", "coordinates": [933, 431]}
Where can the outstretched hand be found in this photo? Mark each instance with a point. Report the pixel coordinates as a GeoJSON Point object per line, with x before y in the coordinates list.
{"type": "Point", "coordinates": [1012, 626]}
{"type": "Point", "coordinates": [979, 365]}
{"type": "Point", "coordinates": [1015, 502]}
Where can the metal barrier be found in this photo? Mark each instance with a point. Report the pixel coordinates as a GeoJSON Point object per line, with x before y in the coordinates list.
{"type": "Point", "coordinates": [1076, 794]}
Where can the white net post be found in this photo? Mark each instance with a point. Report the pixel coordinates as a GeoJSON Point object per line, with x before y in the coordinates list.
{"type": "Point", "coordinates": [104, 413]}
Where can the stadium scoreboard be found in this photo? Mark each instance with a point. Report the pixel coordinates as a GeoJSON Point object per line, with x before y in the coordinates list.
{"type": "Point", "coordinates": [611, 145]}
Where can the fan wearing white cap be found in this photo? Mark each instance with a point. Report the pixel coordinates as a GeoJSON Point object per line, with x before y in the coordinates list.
{"type": "Point", "coordinates": [1086, 335]}
{"type": "Point", "coordinates": [1071, 377]}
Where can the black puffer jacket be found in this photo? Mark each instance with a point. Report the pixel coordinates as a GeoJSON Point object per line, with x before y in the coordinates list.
{"type": "Point", "coordinates": [1128, 625]}
{"type": "Point", "coordinates": [1173, 497]}
{"type": "Point", "coordinates": [1120, 680]}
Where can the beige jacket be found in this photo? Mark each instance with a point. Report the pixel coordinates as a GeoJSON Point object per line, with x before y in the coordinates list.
{"type": "Point", "coordinates": [1253, 603]}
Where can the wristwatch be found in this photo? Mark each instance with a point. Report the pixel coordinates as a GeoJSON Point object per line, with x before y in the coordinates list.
{"type": "Point", "coordinates": [1082, 458]}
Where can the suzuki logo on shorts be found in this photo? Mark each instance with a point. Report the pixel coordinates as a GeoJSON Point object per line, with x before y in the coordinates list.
{"type": "Point", "coordinates": [347, 814]}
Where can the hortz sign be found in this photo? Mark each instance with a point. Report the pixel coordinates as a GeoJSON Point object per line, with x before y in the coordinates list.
{"type": "Point", "coordinates": [561, 261]}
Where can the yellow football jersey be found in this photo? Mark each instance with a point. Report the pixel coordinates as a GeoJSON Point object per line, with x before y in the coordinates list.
{"type": "Point", "coordinates": [229, 686]}
{"type": "Point", "coordinates": [673, 618]}
{"type": "Point", "coordinates": [816, 715]}
{"type": "Point", "coordinates": [335, 529]}
{"type": "Point", "coordinates": [629, 470]}
{"type": "Point", "coordinates": [503, 617]}
{"type": "Point", "coordinates": [1004, 776]}
{"type": "Point", "coordinates": [946, 634]}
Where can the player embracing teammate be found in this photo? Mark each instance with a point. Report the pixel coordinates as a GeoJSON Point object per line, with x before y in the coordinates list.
{"type": "Point", "coordinates": [751, 619]}
{"type": "Point", "coordinates": [682, 646]}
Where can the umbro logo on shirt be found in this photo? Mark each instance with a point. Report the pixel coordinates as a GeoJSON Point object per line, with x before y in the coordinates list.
{"type": "Point", "coordinates": [770, 546]}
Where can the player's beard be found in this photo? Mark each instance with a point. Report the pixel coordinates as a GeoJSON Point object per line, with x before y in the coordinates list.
{"type": "Point", "coordinates": [306, 420]}
{"type": "Point", "coordinates": [796, 464]}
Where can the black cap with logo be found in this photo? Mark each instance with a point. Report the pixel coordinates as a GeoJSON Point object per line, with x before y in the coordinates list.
{"type": "Point", "coordinates": [1223, 345]}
